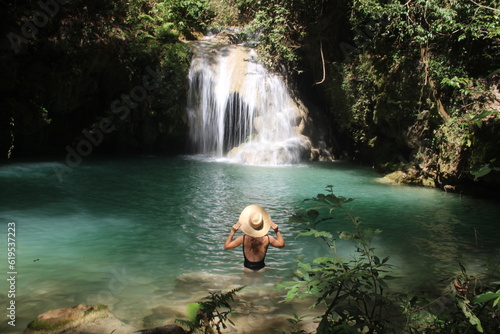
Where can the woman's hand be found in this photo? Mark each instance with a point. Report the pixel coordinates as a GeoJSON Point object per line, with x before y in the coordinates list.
{"type": "Point", "coordinates": [274, 226]}
{"type": "Point", "coordinates": [230, 243]}
{"type": "Point", "coordinates": [236, 226]}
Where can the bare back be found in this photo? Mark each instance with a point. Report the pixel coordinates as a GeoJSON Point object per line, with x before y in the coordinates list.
{"type": "Point", "coordinates": [255, 249]}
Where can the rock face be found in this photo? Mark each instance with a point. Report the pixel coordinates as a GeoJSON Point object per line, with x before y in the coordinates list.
{"type": "Point", "coordinates": [81, 319]}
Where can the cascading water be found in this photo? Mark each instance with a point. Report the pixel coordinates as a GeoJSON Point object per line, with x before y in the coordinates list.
{"type": "Point", "coordinates": [237, 108]}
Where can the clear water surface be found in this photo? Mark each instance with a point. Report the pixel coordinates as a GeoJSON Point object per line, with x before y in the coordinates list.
{"type": "Point", "coordinates": [121, 231]}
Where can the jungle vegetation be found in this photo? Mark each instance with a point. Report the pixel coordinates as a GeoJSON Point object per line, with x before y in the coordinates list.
{"type": "Point", "coordinates": [410, 87]}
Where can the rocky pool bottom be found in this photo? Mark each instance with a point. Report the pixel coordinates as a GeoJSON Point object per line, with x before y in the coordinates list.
{"type": "Point", "coordinates": [257, 308]}
{"type": "Point", "coordinates": [123, 231]}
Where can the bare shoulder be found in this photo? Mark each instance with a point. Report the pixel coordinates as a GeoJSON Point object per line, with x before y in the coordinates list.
{"type": "Point", "coordinates": [230, 244]}
{"type": "Point", "coordinates": [275, 242]}
{"type": "Point", "coordinates": [239, 240]}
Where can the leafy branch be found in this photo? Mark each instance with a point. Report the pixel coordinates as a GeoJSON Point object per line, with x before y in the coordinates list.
{"type": "Point", "coordinates": [353, 291]}
{"type": "Point", "coordinates": [212, 312]}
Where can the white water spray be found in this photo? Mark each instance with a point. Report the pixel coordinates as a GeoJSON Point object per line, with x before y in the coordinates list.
{"type": "Point", "coordinates": [237, 108]}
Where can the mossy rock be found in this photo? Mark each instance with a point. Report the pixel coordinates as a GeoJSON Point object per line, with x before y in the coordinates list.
{"type": "Point", "coordinates": [66, 319]}
{"type": "Point", "coordinates": [42, 325]}
{"type": "Point", "coordinates": [397, 176]}
{"type": "Point", "coordinates": [428, 182]}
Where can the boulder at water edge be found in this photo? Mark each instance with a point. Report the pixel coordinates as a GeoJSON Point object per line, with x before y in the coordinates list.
{"type": "Point", "coordinates": [81, 319]}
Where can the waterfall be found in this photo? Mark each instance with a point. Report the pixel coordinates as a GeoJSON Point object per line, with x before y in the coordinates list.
{"type": "Point", "coordinates": [238, 110]}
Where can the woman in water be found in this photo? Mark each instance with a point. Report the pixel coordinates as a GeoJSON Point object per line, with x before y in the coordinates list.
{"type": "Point", "coordinates": [254, 222]}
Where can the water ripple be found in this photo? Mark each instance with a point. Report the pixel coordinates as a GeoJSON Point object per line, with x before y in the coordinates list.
{"type": "Point", "coordinates": [150, 220]}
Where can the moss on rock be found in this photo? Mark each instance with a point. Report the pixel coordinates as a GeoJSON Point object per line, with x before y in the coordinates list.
{"type": "Point", "coordinates": [64, 319]}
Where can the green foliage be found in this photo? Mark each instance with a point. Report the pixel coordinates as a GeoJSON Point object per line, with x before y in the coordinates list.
{"type": "Point", "coordinates": [484, 170]}
{"type": "Point", "coordinates": [88, 55]}
{"type": "Point", "coordinates": [226, 13]}
{"type": "Point", "coordinates": [461, 37]}
{"type": "Point", "coordinates": [463, 300]}
{"type": "Point", "coordinates": [192, 311]}
{"type": "Point", "coordinates": [276, 37]}
{"type": "Point", "coordinates": [167, 32]}
{"type": "Point", "coordinates": [211, 312]}
{"type": "Point", "coordinates": [187, 16]}
{"type": "Point", "coordinates": [490, 301]}
{"type": "Point", "coordinates": [295, 325]}
{"type": "Point", "coordinates": [353, 291]}
{"type": "Point", "coordinates": [418, 318]}
{"type": "Point", "coordinates": [487, 296]}
{"type": "Point", "coordinates": [458, 141]}
{"type": "Point", "coordinates": [478, 119]}
{"type": "Point", "coordinates": [12, 138]}
{"type": "Point", "coordinates": [281, 27]}
{"type": "Point", "coordinates": [271, 22]}
{"type": "Point", "coordinates": [421, 21]}
{"type": "Point", "coordinates": [400, 60]}
{"type": "Point", "coordinates": [459, 310]}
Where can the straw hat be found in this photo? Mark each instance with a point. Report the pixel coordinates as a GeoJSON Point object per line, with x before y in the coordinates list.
{"type": "Point", "coordinates": [255, 221]}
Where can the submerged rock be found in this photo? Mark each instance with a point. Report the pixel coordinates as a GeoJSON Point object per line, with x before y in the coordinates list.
{"type": "Point", "coordinates": [168, 329]}
{"type": "Point", "coordinates": [410, 177]}
{"type": "Point", "coordinates": [204, 281]}
{"type": "Point", "coordinates": [80, 319]}
{"type": "Point", "coordinates": [162, 315]}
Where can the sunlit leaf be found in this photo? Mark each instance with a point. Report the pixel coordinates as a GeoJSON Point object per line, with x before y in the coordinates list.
{"type": "Point", "coordinates": [481, 171]}
{"type": "Point", "coordinates": [316, 234]}
{"type": "Point", "coordinates": [305, 266]}
{"type": "Point", "coordinates": [323, 260]}
{"type": "Point", "coordinates": [485, 297]}
{"type": "Point", "coordinates": [346, 236]}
